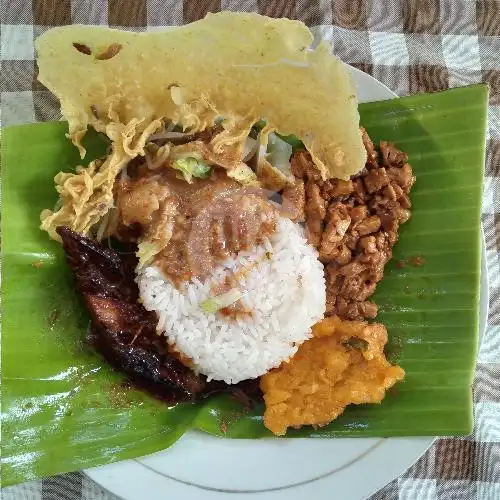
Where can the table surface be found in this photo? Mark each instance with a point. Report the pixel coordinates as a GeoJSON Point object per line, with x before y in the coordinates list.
{"type": "Point", "coordinates": [411, 46]}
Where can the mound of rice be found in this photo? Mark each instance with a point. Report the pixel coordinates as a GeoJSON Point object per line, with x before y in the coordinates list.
{"type": "Point", "coordinates": [285, 292]}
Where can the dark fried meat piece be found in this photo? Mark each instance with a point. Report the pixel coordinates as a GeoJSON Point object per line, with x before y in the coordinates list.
{"type": "Point", "coordinates": [360, 195]}
{"type": "Point", "coordinates": [314, 231]}
{"type": "Point", "coordinates": [315, 211]}
{"type": "Point", "coordinates": [331, 247]}
{"type": "Point", "coordinates": [371, 153]}
{"type": "Point", "coordinates": [354, 224]}
{"type": "Point", "coordinates": [368, 226]}
{"type": "Point", "coordinates": [337, 188]}
{"type": "Point", "coordinates": [122, 330]}
{"type": "Point", "coordinates": [124, 333]}
{"type": "Point", "coordinates": [376, 179]}
{"type": "Point", "coordinates": [402, 176]}
{"type": "Point", "coordinates": [391, 155]}
{"type": "Point", "coordinates": [302, 166]}
{"type": "Point", "coordinates": [315, 203]}
{"type": "Point", "coordinates": [352, 310]}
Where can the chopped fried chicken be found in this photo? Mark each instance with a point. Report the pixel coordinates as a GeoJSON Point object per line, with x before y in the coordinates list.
{"type": "Point", "coordinates": [371, 153]}
{"type": "Point", "coordinates": [140, 201]}
{"type": "Point", "coordinates": [354, 224]}
{"type": "Point", "coordinates": [392, 156]}
{"type": "Point", "coordinates": [342, 364]}
{"type": "Point", "coordinates": [294, 201]}
{"type": "Point", "coordinates": [303, 168]}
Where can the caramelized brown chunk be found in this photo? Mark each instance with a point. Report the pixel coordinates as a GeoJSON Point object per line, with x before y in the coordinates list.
{"type": "Point", "coordinates": [369, 225]}
{"type": "Point", "coordinates": [354, 224]}
{"type": "Point", "coordinates": [303, 167]}
{"type": "Point", "coordinates": [360, 195]}
{"type": "Point", "coordinates": [403, 176]}
{"type": "Point", "coordinates": [336, 227]}
{"type": "Point", "coordinates": [337, 188]}
{"type": "Point", "coordinates": [371, 153]}
{"type": "Point", "coordinates": [376, 179]}
{"type": "Point", "coordinates": [314, 231]}
{"type": "Point", "coordinates": [294, 201]}
{"type": "Point", "coordinates": [392, 156]}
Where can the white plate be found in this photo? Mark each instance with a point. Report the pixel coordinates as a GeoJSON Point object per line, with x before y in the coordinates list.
{"type": "Point", "coordinates": [200, 466]}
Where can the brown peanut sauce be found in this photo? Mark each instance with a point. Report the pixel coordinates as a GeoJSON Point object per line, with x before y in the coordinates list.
{"type": "Point", "coordinates": [208, 220]}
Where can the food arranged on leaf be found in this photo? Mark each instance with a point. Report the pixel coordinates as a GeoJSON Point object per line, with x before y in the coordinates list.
{"type": "Point", "coordinates": [252, 217]}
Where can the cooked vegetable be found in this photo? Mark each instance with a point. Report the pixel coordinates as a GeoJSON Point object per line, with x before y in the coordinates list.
{"type": "Point", "coordinates": [168, 135]}
{"type": "Point", "coordinates": [214, 304]}
{"type": "Point", "coordinates": [293, 140]}
{"type": "Point", "coordinates": [355, 343]}
{"type": "Point", "coordinates": [250, 148]}
{"type": "Point", "coordinates": [279, 153]}
{"type": "Point", "coordinates": [191, 167]}
{"type": "Point", "coordinates": [146, 251]}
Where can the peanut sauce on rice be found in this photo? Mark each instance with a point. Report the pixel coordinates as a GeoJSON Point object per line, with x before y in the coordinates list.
{"type": "Point", "coordinates": [197, 225]}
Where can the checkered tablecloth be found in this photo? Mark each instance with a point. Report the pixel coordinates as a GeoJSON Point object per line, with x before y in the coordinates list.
{"type": "Point", "coordinates": [411, 46]}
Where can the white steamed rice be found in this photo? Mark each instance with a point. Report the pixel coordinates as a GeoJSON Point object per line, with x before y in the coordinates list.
{"type": "Point", "coordinates": [286, 295]}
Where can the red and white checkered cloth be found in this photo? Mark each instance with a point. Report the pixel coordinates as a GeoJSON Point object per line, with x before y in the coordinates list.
{"type": "Point", "coordinates": [411, 46]}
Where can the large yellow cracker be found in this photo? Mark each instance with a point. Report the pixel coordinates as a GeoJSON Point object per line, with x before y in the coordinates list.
{"type": "Point", "coordinates": [242, 67]}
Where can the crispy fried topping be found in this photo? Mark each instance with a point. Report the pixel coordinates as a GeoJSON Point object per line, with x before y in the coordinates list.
{"type": "Point", "coordinates": [343, 364]}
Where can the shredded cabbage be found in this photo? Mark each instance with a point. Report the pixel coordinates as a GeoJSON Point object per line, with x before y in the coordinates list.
{"type": "Point", "coordinates": [146, 251]}
{"type": "Point", "coordinates": [279, 153]}
{"type": "Point", "coordinates": [191, 167]}
{"type": "Point", "coordinates": [250, 148]}
{"type": "Point", "coordinates": [214, 304]}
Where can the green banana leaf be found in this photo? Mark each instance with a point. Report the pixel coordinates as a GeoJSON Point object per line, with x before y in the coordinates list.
{"type": "Point", "coordinates": [64, 409]}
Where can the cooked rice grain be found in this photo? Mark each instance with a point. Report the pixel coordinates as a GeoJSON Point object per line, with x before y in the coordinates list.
{"type": "Point", "coordinates": [285, 294]}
